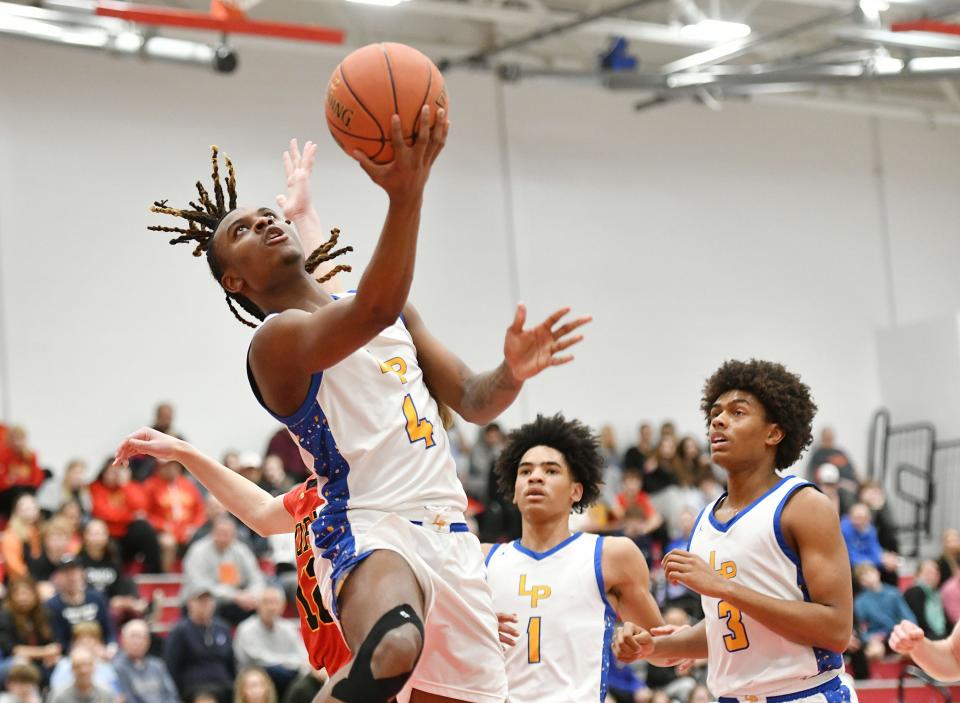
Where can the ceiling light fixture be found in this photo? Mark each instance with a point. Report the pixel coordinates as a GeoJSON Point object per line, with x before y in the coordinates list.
{"type": "Point", "coordinates": [715, 30]}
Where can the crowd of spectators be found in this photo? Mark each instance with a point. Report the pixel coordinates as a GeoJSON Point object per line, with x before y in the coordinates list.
{"type": "Point", "coordinates": [75, 627]}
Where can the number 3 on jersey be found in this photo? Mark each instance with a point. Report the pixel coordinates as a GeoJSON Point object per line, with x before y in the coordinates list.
{"type": "Point", "coordinates": [417, 427]}
{"type": "Point", "coordinates": [736, 639]}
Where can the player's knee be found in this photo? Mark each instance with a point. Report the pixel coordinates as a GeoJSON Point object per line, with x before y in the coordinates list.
{"type": "Point", "coordinates": [385, 659]}
{"type": "Point", "coordinates": [397, 653]}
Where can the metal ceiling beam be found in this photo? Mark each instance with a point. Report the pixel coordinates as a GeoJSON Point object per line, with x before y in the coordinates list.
{"type": "Point", "coordinates": [926, 41]}
{"type": "Point", "coordinates": [481, 57]}
{"type": "Point", "coordinates": [737, 47]}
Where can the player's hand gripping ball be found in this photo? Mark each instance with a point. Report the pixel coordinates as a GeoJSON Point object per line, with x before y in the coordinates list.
{"type": "Point", "coordinates": [374, 83]}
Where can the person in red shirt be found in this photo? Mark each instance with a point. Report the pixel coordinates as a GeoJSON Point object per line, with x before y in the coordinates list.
{"type": "Point", "coordinates": [122, 504]}
{"type": "Point", "coordinates": [19, 470]}
{"type": "Point", "coordinates": [174, 508]}
{"type": "Point", "coordinates": [633, 508]}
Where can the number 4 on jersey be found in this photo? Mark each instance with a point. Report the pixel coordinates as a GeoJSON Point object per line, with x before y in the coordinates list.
{"type": "Point", "coordinates": [417, 427]}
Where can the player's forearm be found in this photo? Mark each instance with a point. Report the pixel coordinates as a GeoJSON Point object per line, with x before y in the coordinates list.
{"type": "Point", "coordinates": [938, 659]}
{"type": "Point", "coordinates": [486, 395]}
{"type": "Point", "coordinates": [808, 624]}
{"type": "Point", "coordinates": [385, 284]}
{"type": "Point", "coordinates": [686, 644]}
{"type": "Point", "coordinates": [240, 496]}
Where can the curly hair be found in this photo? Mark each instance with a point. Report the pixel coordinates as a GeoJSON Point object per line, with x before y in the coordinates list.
{"type": "Point", "coordinates": [785, 399]}
{"type": "Point", "coordinates": [577, 442]}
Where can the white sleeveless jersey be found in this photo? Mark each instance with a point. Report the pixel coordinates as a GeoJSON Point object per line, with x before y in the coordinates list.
{"type": "Point", "coordinates": [746, 658]}
{"type": "Point", "coordinates": [372, 433]}
{"type": "Point", "coordinates": [565, 620]}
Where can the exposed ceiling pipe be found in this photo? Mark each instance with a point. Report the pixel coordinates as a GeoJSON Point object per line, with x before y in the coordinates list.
{"type": "Point", "coordinates": [482, 56]}
{"type": "Point", "coordinates": [737, 47]}
{"type": "Point", "coordinates": [116, 37]}
{"type": "Point", "coordinates": [926, 41]}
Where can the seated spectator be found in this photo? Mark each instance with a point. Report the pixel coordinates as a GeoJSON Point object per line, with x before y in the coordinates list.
{"type": "Point", "coordinates": [635, 511]}
{"type": "Point", "coordinates": [693, 464]}
{"type": "Point", "coordinates": [306, 688]}
{"type": "Point", "coordinates": [103, 572]}
{"type": "Point", "coordinates": [636, 456]}
{"type": "Point", "coordinates": [89, 636]}
{"type": "Point", "coordinates": [214, 509]}
{"type": "Point", "coordinates": [268, 641]}
{"type": "Point", "coordinates": [699, 694]}
{"type": "Point", "coordinates": [950, 597]}
{"type": "Point", "coordinates": [72, 514]}
{"type": "Point", "coordinates": [175, 509]}
{"type": "Point", "coordinates": [612, 466]}
{"type": "Point", "coordinates": [25, 630]}
{"type": "Point", "coordinates": [23, 684]}
{"type": "Point", "coordinates": [924, 600]}
{"type": "Point", "coordinates": [122, 504]}
{"type": "Point", "coordinates": [77, 602]}
{"type": "Point", "coordinates": [74, 486]}
{"type": "Point", "coordinates": [863, 545]}
{"type": "Point", "coordinates": [142, 467]}
{"type": "Point", "coordinates": [143, 678]}
{"type": "Point", "coordinates": [826, 452]}
{"type": "Point", "coordinates": [19, 471]}
{"type": "Point", "coordinates": [254, 686]}
{"type": "Point", "coordinates": [198, 650]}
{"type": "Point", "coordinates": [83, 690]}
{"type": "Point", "coordinates": [949, 561]}
{"type": "Point", "coordinates": [660, 470]}
{"type": "Point", "coordinates": [21, 542]}
{"type": "Point", "coordinates": [57, 536]}
{"type": "Point", "coordinates": [877, 609]}
{"type": "Point", "coordinates": [275, 480]}
{"type": "Point", "coordinates": [872, 495]}
{"type": "Point", "coordinates": [227, 567]}
{"type": "Point", "coordinates": [827, 479]}
{"type": "Point", "coordinates": [282, 445]}
{"type": "Point", "coordinates": [678, 595]}
{"type": "Point", "coordinates": [250, 466]}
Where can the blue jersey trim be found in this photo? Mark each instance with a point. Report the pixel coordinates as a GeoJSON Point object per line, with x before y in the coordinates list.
{"type": "Point", "coordinates": [609, 618]}
{"type": "Point", "coordinates": [696, 524]}
{"type": "Point", "coordinates": [454, 526]}
{"type": "Point", "coordinates": [543, 555]}
{"type": "Point", "coordinates": [493, 549]}
{"type": "Point", "coordinates": [834, 684]}
{"type": "Point", "coordinates": [778, 530]}
{"type": "Point", "coordinates": [724, 526]}
{"type": "Point", "coordinates": [825, 658]}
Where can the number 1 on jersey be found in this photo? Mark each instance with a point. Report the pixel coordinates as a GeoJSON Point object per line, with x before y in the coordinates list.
{"type": "Point", "coordinates": [533, 640]}
{"type": "Point", "coordinates": [736, 638]}
{"type": "Point", "coordinates": [417, 427]}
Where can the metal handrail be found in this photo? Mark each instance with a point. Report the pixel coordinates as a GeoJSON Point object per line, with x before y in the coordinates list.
{"type": "Point", "coordinates": [920, 675]}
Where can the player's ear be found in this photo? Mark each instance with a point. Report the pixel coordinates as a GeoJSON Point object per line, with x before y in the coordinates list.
{"type": "Point", "coordinates": [231, 283]}
{"type": "Point", "coordinates": [576, 491]}
{"type": "Point", "coordinates": [775, 435]}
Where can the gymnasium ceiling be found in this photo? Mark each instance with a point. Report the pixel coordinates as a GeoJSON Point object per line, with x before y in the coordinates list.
{"type": "Point", "coordinates": [835, 51]}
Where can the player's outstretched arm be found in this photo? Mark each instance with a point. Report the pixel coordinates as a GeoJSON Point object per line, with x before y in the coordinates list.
{"type": "Point", "coordinates": [256, 508]}
{"type": "Point", "coordinates": [296, 344]}
{"type": "Point", "coordinates": [481, 397]}
{"type": "Point", "coordinates": [940, 659]}
{"type": "Point", "coordinates": [297, 206]}
{"type": "Point", "coordinates": [627, 581]}
{"type": "Point", "coordinates": [826, 621]}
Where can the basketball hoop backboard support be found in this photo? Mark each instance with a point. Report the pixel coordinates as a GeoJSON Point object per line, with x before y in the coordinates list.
{"type": "Point", "coordinates": [229, 24]}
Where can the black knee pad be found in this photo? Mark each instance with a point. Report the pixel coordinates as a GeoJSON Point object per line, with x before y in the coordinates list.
{"type": "Point", "coordinates": [360, 686]}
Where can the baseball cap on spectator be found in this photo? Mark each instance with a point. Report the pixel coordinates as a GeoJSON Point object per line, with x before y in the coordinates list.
{"type": "Point", "coordinates": [195, 590]}
{"type": "Point", "coordinates": [828, 474]}
{"type": "Point", "coordinates": [67, 562]}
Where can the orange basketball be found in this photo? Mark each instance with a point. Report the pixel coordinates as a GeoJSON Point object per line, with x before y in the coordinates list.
{"type": "Point", "coordinates": [370, 86]}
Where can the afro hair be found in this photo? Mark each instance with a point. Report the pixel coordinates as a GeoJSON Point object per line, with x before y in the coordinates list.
{"type": "Point", "coordinates": [785, 399]}
{"type": "Point", "coordinates": [577, 442]}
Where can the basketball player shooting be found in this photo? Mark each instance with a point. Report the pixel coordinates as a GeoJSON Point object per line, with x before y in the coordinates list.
{"type": "Point", "coordinates": [767, 556]}
{"type": "Point", "coordinates": [357, 379]}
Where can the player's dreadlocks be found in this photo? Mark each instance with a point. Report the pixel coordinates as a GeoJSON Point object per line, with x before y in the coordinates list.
{"type": "Point", "coordinates": [204, 217]}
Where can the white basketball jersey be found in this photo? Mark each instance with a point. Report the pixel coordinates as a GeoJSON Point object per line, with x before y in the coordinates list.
{"type": "Point", "coordinates": [372, 433]}
{"type": "Point", "coordinates": [746, 658]}
{"type": "Point", "coordinates": [565, 620]}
